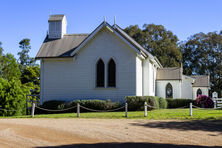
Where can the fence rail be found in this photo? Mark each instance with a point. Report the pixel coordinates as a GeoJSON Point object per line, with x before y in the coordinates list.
{"type": "Point", "coordinates": [217, 102]}
{"type": "Point", "coordinates": [78, 106]}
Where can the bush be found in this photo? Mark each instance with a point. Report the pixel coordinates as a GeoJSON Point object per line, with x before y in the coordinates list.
{"type": "Point", "coordinates": [92, 104]}
{"type": "Point", "coordinates": [162, 102]}
{"type": "Point", "coordinates": [176, 103]}
{"type": "Point", "coordinates": [12, 97]}
{"type": "Point", "coordinates": [54, 104]}
{"type": "Point", "coordinates": [136, 103]}
{"type": "Point", "coordinates": [95, 104]}
{"type": "Point", "coordinates": [204, 101]}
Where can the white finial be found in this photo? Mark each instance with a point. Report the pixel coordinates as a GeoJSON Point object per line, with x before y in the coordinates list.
{"type": "Point", "coordinates": [104, 19]}
{"type": "Point", "coordinates": [114, 20]}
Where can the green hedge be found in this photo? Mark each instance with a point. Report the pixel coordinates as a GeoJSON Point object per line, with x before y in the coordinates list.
{"type": "Point", "coordinates": [95, 104]}
{"type": "Point", "coordinates": [92, 104]}
{"type": "Point", "coordinates": [162, 102]}
{"type": "Point", "coordinates": [136, 103]}
{"type": "Point", "coordinates": [179, 102]}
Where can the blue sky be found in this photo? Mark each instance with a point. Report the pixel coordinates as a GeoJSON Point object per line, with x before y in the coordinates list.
{"type": "Point", "coordinates": [28, 18]}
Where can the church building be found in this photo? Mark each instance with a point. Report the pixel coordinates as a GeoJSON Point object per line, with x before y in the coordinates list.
{"type": "Point", "coordinates": [106, 64]}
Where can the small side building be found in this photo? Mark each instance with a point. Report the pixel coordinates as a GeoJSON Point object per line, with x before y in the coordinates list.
{"type": "Point", "coordinates": [171, 83]}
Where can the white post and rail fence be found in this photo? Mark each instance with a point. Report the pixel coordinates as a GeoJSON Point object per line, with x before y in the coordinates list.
{"type": "Point", "coordinates": [217, 101]}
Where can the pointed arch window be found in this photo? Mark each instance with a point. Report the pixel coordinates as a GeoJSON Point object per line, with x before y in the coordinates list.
{"type": "Point", "coordinates": [199, 92]}
{"type": "Point", "coordinates": [111, 73]}
{"type": "Point", "coordinates": [100, 73]}
{"type": "Point", "coordinates": [169, 91]}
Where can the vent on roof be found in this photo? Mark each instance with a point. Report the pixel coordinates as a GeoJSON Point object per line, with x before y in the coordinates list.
{"type": "Point", "coordinates": [57, 26]}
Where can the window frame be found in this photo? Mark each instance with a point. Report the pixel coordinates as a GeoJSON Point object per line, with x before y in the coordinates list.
{"type": "Point", "coordinates": [104, 74]}
{"type": "Point", "coordinates": [108, 74]}
{"type": "Point", "coordinates": [166, 88]}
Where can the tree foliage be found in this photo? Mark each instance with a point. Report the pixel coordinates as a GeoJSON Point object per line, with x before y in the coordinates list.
{"type": "Point", "coordinates": [9, 67]}
{"type": "Point", "coordinates": [160, 42]}
{"type": "Point", "coordinates": [31, 78]}
{"type": "Point", "coordinates": [30, 72]}
{"type": "Point", "coordinates": [16, 80]}
{"type": "Point", "coordinates": [202, 55]}
{"type": "Point", "coordinates": [24, 58]}
{"type": "Point", "coordinates": [1, 49]}
{"type": "Point", "coordinates": [12, 97]}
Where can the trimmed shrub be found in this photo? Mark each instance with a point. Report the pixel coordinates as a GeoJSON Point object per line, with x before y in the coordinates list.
{"type": "Point", "coordinates": [92, 104]}
{"type": "Point", "coordinates": [162, 102]}
{"type": "Point", "coordinates": [136, 103]}
{"type": "Point", "coordinates": [204, 101]}
{"type": "Point", "coordinates": [176, 103]}
{"type": "Point", "coordinates": [95, 104]}
{"type": "Point", "coordinates": [54, 104]}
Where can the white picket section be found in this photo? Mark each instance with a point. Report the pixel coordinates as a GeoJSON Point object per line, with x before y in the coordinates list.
{"type": "Point", "coordinates": [217, 102]}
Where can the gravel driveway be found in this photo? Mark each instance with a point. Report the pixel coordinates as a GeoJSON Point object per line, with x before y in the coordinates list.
{"type": "Point", "coordinates": [109, 133]}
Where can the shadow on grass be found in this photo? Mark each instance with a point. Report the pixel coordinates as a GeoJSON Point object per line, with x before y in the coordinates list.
{"type": "Point", "coordinates": [200, 125]}
{"type": "Point", "coordinates": [128, 145]}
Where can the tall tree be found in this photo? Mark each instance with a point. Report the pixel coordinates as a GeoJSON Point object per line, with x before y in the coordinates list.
{"type": "Point", "coordinates": [202, 55]}
{"type": "Point", "coordinates": [24, 58]}
{"type": "Point", "coordinates": [30, 71]}
{"type": "Point", "coordinates": [159, 41]}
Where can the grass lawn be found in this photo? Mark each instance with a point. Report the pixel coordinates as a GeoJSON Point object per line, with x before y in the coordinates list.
{"type": "Point", "coordinates": [179, 114]}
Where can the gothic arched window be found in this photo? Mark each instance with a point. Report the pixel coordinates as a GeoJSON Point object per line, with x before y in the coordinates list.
{"type": "Point", "coordinates": [111, 73]}
{"type": "Point", "coordinates": [169, 91]}
{"type": "Point", "coordinates": [199, 92]}
{"type": "Point", "coordinates": [100, 73]}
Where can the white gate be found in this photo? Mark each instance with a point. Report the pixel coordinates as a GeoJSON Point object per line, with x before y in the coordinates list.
{"type": "Point", "coordinates": [218, 103]}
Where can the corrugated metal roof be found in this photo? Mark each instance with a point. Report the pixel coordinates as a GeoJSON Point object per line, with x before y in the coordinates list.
{"type": "Point", "coordinates": [60, 47]}
{"type": "Point", "coordinates": [174, 73]}
{"type": "Point", "coordinates": [57, 17]}
{"type": "Point", "coordinates": [201, 81]}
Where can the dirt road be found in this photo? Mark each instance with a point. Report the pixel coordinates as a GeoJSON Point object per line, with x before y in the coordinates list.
{"type": "Point", "coordinates": [108, 133]}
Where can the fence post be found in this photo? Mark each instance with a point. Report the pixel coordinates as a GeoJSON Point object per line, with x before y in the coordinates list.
{"type": "Point", "coordinates": [216, 103]}
{"type": "Point", "coordinates": [26, 106]}
{"type": "Point", "coordinates": [145, 109]}
{"type": "Point", "coordinates": [33, 109]}
{"type": "Point", "coordinates": [78, 110]}
{"type": "Point", "coordinates": [214, 99]}
{"type": "Point", "coordinates": [126, 109]}
{"type": "Point", "coordinates": [191, 109]}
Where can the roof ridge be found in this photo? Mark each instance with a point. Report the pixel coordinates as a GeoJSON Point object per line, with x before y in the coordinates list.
{"type": "Point", "coordinates": [76, 34]}
{"type": "Point", "coordinates": [171, 68]}
{"type": "Point", "coordinates": [199, 75]}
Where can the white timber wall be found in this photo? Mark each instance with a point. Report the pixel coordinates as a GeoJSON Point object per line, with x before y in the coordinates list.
{"type": "Point", "coordinates": [186, 91]}
{"type": "Point", "coordinates": [139, 77]}
{"type": "Point", "coordinates": [161, 88]}
{"type": "Point", "coordinates": [205, 91]}
{"type": "Point", "coordinates": [74, 78]}
{"type": "Point", "coordinates": [149, 77]}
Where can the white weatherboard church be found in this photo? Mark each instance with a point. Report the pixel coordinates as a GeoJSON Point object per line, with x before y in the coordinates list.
{"type": "Point", "coordinates": [106, 64]}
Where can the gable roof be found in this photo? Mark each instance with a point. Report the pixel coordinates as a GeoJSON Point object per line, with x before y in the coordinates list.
{"type": "Point", "coordinates": [113, 30]}
{"type": "Point", "coordinates": [173, 73]}
{"type": "Point", "coordinates": [57, 17]}
{"type": "Point", "coordinates": [201, 81]}
{"type": "Point", "coordinates": [60, 47]}
{"type": "Point", "coordinates": [71, 44]}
